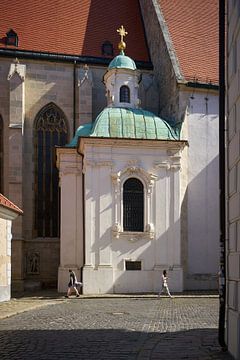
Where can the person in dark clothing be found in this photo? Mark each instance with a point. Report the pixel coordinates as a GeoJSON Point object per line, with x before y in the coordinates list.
{"type": "Point", "coordinates": [72, 284]}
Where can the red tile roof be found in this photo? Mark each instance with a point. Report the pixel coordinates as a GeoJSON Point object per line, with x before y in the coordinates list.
{"type": "Point", "coordinates": [74, 27]}
{"type": "Point", "coordinates": [193, 27]}
{"type": "Point", "coordinates": [8, 204]}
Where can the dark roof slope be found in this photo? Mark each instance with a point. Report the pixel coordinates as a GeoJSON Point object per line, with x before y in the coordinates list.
{"type": "Point", "coordinates": [193, 28]}
{"type": "Point", "coordinates": [73, 27]}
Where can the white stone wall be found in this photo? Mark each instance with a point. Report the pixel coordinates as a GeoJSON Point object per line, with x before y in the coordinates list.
{"type": "Point", "coordinates": [201, 198]}
{"type": "Point", "coordinates": [107, 246]}
{"type": "Point", "coordinates": [233, 179]}
{"type": "Point", "coordinates": [5, 259]}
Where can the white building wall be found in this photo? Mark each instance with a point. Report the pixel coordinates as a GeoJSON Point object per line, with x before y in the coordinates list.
{"type": "Point", "coordinates": [107, 246]}
{"type": "Point", "coordinates": [5, 259]}
{"type": "Point", "coordinates": [202, 194]}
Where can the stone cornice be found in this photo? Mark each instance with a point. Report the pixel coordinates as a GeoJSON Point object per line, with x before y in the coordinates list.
{"type": "Point", "coordinates": [174, 145]}
{"type": "Point", "coordinates": [61, 151]}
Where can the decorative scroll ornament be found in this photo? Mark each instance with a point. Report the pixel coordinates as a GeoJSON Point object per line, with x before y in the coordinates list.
{"type": "Point", "coordinates": [148, 178]}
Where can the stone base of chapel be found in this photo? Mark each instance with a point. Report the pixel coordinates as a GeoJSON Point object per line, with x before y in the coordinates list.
{"type": "Point", "coordinates": [63, 276]}
{"type": "Point", "coordinates": [106, 280]}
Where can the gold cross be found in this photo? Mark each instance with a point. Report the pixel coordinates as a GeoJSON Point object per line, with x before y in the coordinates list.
{"type": "Point", "coordinates": [122, 32]}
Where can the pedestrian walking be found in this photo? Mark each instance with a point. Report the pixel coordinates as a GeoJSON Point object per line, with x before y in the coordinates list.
{"type": "Point", "coordinates": [164, 284]}
{"type": "Point", "coordinates": [73, 283]}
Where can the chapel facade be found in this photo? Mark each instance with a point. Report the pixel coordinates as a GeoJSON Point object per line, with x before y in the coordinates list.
{"type": "Point", "coordinates": [60, 94]}
{"type": "Point", "coordinates": [123, 169]}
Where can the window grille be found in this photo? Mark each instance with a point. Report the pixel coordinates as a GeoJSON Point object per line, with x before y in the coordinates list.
{"type": "Point", "coordinates": [1, 155]}
{"type": "Point", "coordinates": [50, 130]}
{"type": "Point", "coordinates": [124, 94]}
{"type": "Point", "coordinates": [133, 205]}
{"type": "Point", "coordinates": [133, 265]}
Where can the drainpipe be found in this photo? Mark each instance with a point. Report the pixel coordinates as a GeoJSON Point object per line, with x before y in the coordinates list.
{"type": "Point", "coordinates": [222, 185]}
{"type": "Point", "coordinates": [74, 97]}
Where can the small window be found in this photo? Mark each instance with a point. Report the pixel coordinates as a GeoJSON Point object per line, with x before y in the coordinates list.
{"type": "Point", "coordinates": [133, 265]}
{"type": "Point", "coordinates": [107, 48]}
{"type": "Point", "coordinates": [124, 94]}
{"type": "Point", "coordinates": [12, 38]}
{"type": "Point", "coordinates": [133, 205]}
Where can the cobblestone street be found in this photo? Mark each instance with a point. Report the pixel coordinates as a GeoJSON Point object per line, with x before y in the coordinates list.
{"type": "Point", "coordinates": [114, 328]}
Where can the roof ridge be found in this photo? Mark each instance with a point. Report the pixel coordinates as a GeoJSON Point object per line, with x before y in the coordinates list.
{"type": "Point", "coordinates": [168, 41]}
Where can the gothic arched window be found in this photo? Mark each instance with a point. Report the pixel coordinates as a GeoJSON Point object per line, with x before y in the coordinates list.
{"type": "Point", "coordinates": [133, 205]}
{"type": "Point", "coordinates": [124, 94]}
{"type": "Point", "coordinates": [1, 155]}
{"type": "Point", "coordinates": [50, 130]}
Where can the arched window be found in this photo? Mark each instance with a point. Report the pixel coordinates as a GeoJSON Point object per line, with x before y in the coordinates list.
{"type": "Point", "coordinates": [124, 94]}
{"type": "Point", "coordinates": [50, 130]}
{"type": "Point", "coordinates": [133, 205]}
{"type": "Point", "coordinates": [1, 155]}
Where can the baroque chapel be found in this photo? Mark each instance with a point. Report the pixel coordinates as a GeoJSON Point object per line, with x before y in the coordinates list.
{"type": "Point", "coordinates": [111, 151]}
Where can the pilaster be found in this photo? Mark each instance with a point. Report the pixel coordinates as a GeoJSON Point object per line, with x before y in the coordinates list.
{"type": "Point", "coordinates": [71, 233]}
{"type": "Point", "coordinates": [16, 79]}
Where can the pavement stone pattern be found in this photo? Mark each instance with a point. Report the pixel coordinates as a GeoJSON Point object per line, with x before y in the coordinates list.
{"type": "Point", "coordinates": [140, 328]}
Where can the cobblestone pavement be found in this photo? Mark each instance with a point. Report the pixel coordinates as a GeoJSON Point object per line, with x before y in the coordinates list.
{"type": "Point", "coordinates": [114, 328]}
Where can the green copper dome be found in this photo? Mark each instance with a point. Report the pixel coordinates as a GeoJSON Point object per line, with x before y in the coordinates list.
{"type": "Point", "coordinates": [122, 61]}
{"type": "Point", "coordinates": [83, 130]}
{"type": "Point", "coordinates": [131, 124]}
{"type": "Point", "coordinates": [126, 123]}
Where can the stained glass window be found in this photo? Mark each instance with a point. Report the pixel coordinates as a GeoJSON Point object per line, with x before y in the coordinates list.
{"type": "Point", "coordinates": [133, 205]}
{"type": "Point", "coordinates": [50, 130]}
{"type": "Point", "coordinates": [124, 94]}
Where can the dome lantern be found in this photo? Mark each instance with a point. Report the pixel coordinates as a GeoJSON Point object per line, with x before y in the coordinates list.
{"type": "Point", "coordinates": [122, 78]}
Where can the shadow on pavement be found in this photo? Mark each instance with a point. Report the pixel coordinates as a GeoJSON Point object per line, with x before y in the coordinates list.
{"type": "Point", "coordinates": [109, 344]}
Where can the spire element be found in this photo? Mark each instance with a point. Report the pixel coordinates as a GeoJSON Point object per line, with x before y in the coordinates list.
{"type": "Point", "coordinates": [122, 45]}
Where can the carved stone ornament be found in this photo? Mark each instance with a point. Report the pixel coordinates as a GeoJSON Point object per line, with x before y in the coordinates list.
{"type": "Point", "coordinates": [148, 178]}
{"type": "Point", "coordinates": [33, 263]}
{"type": "Point", "coordinates": [98, 163]}
{"type": "Point", "coordinates": [116, 229]}
{"type": "Point", "coordinates": [17, 68]}
{"type": "Point", "coordinates": [85, 75]}
{"type": "Point", "coordinates": [133, 236]}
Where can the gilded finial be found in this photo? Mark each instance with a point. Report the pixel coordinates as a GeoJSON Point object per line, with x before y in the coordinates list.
{"type": "Point", "coordinates": [122, 45]}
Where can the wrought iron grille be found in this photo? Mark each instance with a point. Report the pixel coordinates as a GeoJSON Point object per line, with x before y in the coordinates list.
{"type": "Point", "coordinates": [133, 205]}
{"type": "Point", "coordinates": [124, 94]}
{"type": "Point", "coordinates": [50, 130]}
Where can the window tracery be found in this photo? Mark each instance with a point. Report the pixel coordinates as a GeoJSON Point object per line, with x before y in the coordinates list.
{"type": "Point", "coordinates": [50, 130]}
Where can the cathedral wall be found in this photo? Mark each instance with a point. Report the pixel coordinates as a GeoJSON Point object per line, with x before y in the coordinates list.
{"type": "Point", "coordinates": [200, 209]}
{"type": "Point", "coordinates": [4, 112]}
{"type": "Point", "coordinates": [166, 68]}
